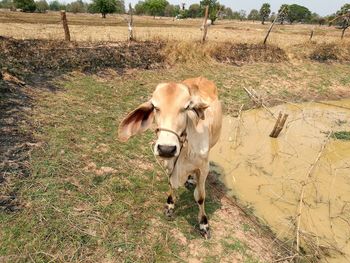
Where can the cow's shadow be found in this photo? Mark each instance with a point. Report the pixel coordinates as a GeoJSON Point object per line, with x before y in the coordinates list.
{"type": "Point", "coordinates": [187, 208]}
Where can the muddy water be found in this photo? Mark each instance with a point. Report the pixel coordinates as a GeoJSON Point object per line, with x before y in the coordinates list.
{"type": "Point", "coordinates": [267, 174]}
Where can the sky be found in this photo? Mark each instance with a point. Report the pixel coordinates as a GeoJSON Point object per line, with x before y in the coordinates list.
{"type": "Point", "coordinates": [321, 7]}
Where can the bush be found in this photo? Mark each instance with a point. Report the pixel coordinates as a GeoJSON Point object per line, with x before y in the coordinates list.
{"type": "Point", "coordinates": [325, 52]}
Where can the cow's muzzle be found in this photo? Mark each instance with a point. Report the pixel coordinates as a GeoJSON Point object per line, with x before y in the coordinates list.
{"type": "Point", "coordinates": [169, 143]}
{"type": "Point", "coordinates": [166, 151]}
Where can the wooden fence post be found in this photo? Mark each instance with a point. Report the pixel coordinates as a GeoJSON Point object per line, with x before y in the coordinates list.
{"type": "Point", "coordinates": [279, 125]}
{"type": "Point", "coordinates": [273, 23]}
{"type": "Point", "coordinates": [131, 24]}
{"type": "Point", "coordinates": [65, 25]}
{"type": "Point", "coordinates": [268, 32]}
{"type": "Point", "coordinates": [205, 26]}
{"type": "Point", "coordinates": [311, 34]}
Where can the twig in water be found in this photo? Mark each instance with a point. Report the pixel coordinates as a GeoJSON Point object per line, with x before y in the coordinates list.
{"type": "Point", "coordinates": [258, 101]}
{"type": "Point", "coordinates": [238, 124]}
{"type": "Point", "coordinates": [301, 197]}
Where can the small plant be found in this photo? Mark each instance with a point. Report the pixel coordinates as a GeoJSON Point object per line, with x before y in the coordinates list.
{"type": "Point", "coordinates": [341, 135]}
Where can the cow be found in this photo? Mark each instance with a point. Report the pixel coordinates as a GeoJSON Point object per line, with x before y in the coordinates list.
{"type": "Point", "coordinates": [207, 24]}
{"type": "Point", "coordinates": [188, 119]}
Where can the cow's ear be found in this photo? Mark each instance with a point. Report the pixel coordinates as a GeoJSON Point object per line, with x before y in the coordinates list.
{"type": "Point", "coordinates": [137, 121]}
{"type": "Point", "coordinates": [199, 108]}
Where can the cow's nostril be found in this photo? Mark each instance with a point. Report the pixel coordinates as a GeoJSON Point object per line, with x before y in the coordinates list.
{"type": "Point", "coordinates": [166, 150]}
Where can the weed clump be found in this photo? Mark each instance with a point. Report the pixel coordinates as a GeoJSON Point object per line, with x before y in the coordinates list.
{"type": "Point", "coordinates": [341, 135]}
{"type": "Point", "coordinates": [231, 53]}
{"type": "Point", "coordinates": [33, 57]}
{"type": "Point", "coordinates": [243, 52]}
{"type": "Point", "coordinates": [325, 52]}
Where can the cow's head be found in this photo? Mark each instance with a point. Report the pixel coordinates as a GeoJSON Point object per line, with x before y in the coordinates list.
{"type": "Point", "coordinates": [172, 107]}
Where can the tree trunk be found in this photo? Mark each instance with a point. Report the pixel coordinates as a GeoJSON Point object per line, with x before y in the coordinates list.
{"type": "Point", "coordinates": [263, 21]}
{"type": "Point", "coordinates": [103, 15]}
{"type": "Point", "coordinates": [343, 32]}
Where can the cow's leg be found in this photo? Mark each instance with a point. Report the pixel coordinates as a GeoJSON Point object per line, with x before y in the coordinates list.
{"type": "Point", "coordinates": [170, 204]}
{"type": "Point", "coordinates": [199, 196]}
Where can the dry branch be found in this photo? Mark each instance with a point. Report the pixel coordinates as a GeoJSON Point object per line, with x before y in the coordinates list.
{"type": "Point", "coordinates": [258, 101]}
{"type": "Point", "coordinates": [333, 105]}
{"type": "Point", "coordinates": [238, 124]}
{"type": "Point", "coordinates": [302, 191]}
{"type": "Point", "coordinates": [205, 25]}
{"type": "Point", "coordinates": [279, 125]}
{"type": "Point", "coordinates": [65, 26]}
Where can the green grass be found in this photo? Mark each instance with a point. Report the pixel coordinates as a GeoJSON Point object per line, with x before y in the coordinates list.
{"type": "Point", "coordinates": [74, 212]}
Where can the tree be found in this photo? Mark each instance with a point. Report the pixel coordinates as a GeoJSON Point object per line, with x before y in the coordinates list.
{"type": "Point", "coordinates": [214, 8]}
{"type": "Point", "coordinates": [56, 6]}
{"type": "Point", "coordinates": [194, 11]}
{"type": "Point", "coordinates": [272, 17]}
{"type": "Point", "coordinates": [140, 8]}
{"type": "Point", "coordinates": [107, 7]}
{"type": "Point", "coordinates": [25, 5]}
{"type": "Point", "coordinates": [42, 6]}
{"type": "Point", "coordinates": [298, 13]}
{"type": "Point", "coordinates": [317, 19]}
{"type": "Point", "coordinates": [155, 7]}
{"type": "Point", "coordinates": [8, 4]}
{"type": "Point", "coordinates": [77, 7]}
{"type": "Point", "coordinates": [343, 18]}
{"type": "Point", "coordinates": [242, 14]}
{"type": "Point", "coordinates": [265, 12]}
{"type": "Point", "coordinates": [227, 13]}
{"type": "Point", "coordinates": [254, 15]}
{"type": "Point", "coordinates": [171, 10]}
{"type": "Point", "coordinates": [322, 21]}
{"type": "Point", "coordinates": [283, 13]}
{"type": "Point", "coordinates": [345, 9]}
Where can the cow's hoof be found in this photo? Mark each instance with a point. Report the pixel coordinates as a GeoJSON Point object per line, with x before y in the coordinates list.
{"type": "Point", "coordinates": [190, 183]}
{"type": "Point", "coordinates": [169, 212]}
{"type": "Point", "coordinates": [204, 231]}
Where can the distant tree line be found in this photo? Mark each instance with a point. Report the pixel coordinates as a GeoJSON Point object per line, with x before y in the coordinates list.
{"type": "Point", "coordinates": [286, 14]}
{"type": "Point", "coordinates": [97, 6]}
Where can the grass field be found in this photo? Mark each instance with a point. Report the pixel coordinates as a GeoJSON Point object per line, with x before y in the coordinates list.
{"type": "Point", "coordinates": [90, 198]}
{"type": "Point", "coordinates": [91, 27]}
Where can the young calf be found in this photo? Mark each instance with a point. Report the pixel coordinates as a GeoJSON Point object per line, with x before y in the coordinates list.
{"type": "Point", "coordinates": [188, 118]}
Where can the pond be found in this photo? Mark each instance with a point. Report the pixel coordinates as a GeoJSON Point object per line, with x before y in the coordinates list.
{"type": "Point", "coordinates": [271, 176]}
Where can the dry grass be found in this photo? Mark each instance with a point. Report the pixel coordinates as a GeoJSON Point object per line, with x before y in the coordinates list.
{"type": "Point", "coordinates": [84, 200]}
{"type": "Point", "coordinates": [87, 27]}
